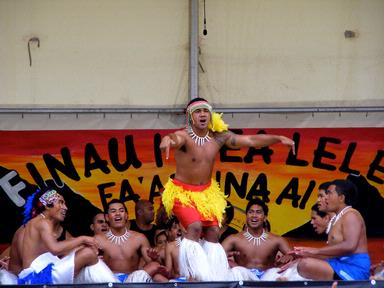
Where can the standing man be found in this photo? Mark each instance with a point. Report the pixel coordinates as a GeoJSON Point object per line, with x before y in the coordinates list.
{"type": "Point", "coordinates": [346, 256]}
{"type": "Point", "coordinates": [193, 196]}
{"type": "Point", "coordinates": [145, 214]}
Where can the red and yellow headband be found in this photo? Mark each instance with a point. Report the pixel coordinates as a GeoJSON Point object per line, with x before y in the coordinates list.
{"type": "Point", "coordinates": [199, 105]}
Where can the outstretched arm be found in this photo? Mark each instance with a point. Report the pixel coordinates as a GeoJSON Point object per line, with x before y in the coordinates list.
{"type": "Point", "coordinates": [173, 140]}
{"type": "Point", "coordinates": [258, 141]}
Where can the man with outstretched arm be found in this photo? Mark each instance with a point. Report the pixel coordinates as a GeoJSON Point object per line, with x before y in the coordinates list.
{"type": "Point", "coordinates": [193, 196]}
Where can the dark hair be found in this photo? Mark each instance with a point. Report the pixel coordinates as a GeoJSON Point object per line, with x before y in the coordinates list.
{"type": "Point", "coordinates": [257, 201]}
{"type": "Point", "coordinates": [324, 186]}
{"type": "Point", "coordinates": [113, 201]}
{"type": "Point", "coordinates": [161, 232]}
{"type": "Point", "coordinates": [315, 208]}
{"type": "Point", "coordinates": [172, 220]}
{"type": "Point", "coordinates": [346, 188]}
{"type": "Point", "coordinates": [229, 211]}
{"type": "Point", "coordinates": [141, 204]}
{"type": "Point", "coordinates": [94, 216]}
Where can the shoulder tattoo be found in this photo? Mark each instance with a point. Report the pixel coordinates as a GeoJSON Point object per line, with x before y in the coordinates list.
{"type": "Point", "coordinates": [221, 138]}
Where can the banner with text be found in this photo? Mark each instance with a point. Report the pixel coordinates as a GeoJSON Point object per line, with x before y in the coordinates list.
{"type": "Point", "coordinates": [100, 165]}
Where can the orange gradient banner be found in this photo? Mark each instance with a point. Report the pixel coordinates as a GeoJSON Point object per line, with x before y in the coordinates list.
{"type": "Point", "coordinates": [126, 164]}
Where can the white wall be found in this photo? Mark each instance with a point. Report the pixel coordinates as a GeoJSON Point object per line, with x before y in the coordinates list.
{"type": "Point", "coordinates": [135, 53]}
{"type": "Point", "coordinates": [94, 52]}
{"type": "Point", "coordinates": [293, 53]}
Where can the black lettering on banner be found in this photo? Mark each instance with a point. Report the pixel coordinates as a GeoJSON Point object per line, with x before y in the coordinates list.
{"type": "Point", "coordinates": [130, 154]}
{"type": "Point", "coordinates": [104, 196]}
{"type": "Point", "coordinates": [68, 169]}
{"type": "Point", "coordinates": [35, 174]}
{"type": "Point", "coordinates": [156, 187]}
{"type": "Point", "coordinates": [375, 165]}
{"type": "Point", "coordinates": [259, 188]}
{"type": "Point", "coordinates": [265, 152]}
{"type": "Point", "coordinates": [347, 160]}
{"type": "Point", "coordinates": [230, 181]}
{"type": "Point", "coordinates": [307, 194]}
{"type": "Point", "coordinates": [227, 158]}
{"type": "Point", "coordinates": [218, 177]}
{"type": "Point", "coordinates": [293, 159]}
{"type": "Point", "coordinates": [157, 151]}
{"type": "Point", "coordinates": [320, 153]}
{"type": "Point", "coordinates": [127, 193]}
{"type": "Point", "coordinates": [290, 192]}
{"type": "Point", "coordinates": [98, 163]}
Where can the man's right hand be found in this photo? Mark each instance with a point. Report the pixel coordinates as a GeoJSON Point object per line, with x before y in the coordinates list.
{"type": "Point", "coordinates": [167, 142]}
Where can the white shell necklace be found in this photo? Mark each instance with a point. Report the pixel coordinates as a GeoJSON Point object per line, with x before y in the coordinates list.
{"type": "Point", "coordinates": [256, 240]}
{"type": "Point", "coordinates": [200, 141]}
{"type": "Point", "coordinates": [118, 239]}
{"type": "Point", "coordinates": [336, 218]}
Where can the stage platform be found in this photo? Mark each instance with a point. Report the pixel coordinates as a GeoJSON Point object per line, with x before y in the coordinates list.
{"type": "Point", "coordinates": [291, 284]}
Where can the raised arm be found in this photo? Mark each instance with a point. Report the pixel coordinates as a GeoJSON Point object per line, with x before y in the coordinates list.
{"type": "Point", "coordinates": [257, 141]}
{"type": "Point", "coordinates": [173, 140]}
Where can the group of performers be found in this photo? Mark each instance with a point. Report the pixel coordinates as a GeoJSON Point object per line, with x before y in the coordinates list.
{"type": "Point", "coordinates": [195, 199]}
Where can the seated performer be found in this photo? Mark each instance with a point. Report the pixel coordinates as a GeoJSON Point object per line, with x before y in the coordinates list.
{"type": "Point", "coordinates": [193, 196]}
{"type": "Point", "coordinates": [255, 248]}
{"type": "Point", "coordinates": [225, 229]}
{"type": "Point", "coordinates": [319, 220]}
{"type": "Point", "coordinates": [40, 249]}
{"type": "Point", "coordinates": [122, 248]}
{"type": "Point", "coordinates": [144, 216]}
{"type": "Point", "coordinates": [175, 235]}
{"type": "Point", "coordinates": [99, 224]}
{"type": "Point", "coordinates": [346, 255]}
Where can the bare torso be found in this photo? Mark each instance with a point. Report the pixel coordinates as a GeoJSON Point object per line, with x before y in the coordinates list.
{"type": "Point", "coordinates": [123, 258]}
{"type": "Point", "coordinates": [33, 246]}
{"type": "Point", "coordinates": [194, 164]}
{"type": "Point", "coordinates": [15, 261]}
{"type": "Point", "coordinates": [172, 258]}
{"type": "Point", "coordinates": [256, 256]}
{"type": "Point", "coordinates": [336, 234]}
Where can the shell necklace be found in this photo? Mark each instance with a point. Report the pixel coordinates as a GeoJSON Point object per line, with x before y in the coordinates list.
{"type": "Point", "coordinates": [256, 240]}
{"type": "Point", "coordinates": [336, 218]}
{"type": "Point", "coordinates": [200, 141]}
{"type": "Point", "coordinates": [118, 239]}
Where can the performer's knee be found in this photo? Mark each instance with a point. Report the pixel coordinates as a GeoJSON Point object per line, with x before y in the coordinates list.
{"type": "Point", "coordinates": [87, 255]}
{"type": "Point", "coordinates": [194, 230]}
